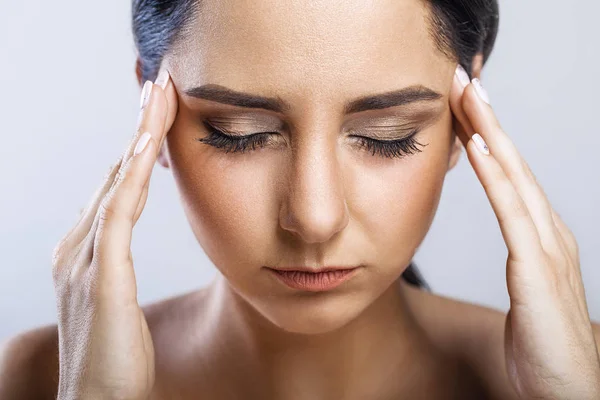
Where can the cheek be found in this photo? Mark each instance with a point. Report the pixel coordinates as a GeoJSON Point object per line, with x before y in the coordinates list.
{"type": "Point", "coordinates": [233, 205]}
{"type": "Point", "coordinates": [395, 202]}
{"type": "Point", "coordinates": [229, 201]}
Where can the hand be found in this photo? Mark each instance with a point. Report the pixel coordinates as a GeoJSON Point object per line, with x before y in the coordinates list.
{"type": "Point", "coordinates": [105, 347]}
{"type": "Point", "coordinates": [549, 342]}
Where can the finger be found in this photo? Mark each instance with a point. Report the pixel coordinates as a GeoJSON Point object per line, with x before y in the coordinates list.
{"type": "Point", "coordinates": [78, 232]}
{"type": "Point", "coordinates": [484, 121]}
{"type": "Point", "coordinates": [573, 250]}
{"type": "Point", "coordinates": [461, 121]}
{"type": "Point", "coordinates": [152, 119]}
{"type": "Point", "coordinates": [147, 120]}
{"type": "Point", "coordinates": [460, 132]}
{"type": "Point", "coordinates": [165, 88]}
{"type": "Point", "coordinates": [141, 203]}
{"type": "Point", "coordinates": [168, 88]}
{"type": "Point", "coordinates": [162, 111]}
{"type": "Point", "coordinates": [518, 229]}
{"type": "Point", "coordinates": [567, 235]}
{"type": "Point", "coordinates": [115, 219]}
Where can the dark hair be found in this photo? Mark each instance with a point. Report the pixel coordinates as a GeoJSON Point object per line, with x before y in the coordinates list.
{"type": "Point", "coordinates": [461, 30]}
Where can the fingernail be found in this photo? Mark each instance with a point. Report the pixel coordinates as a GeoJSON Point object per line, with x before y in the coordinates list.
{"type": "Point", "coordinates": [146, 94]}
{"type": "Point", "coordinates": [162, 79]}
{"type": "Point", "coordinates": [480, 90]}
{"type": "Point", "coordinates": [480, 144]}
{"type": "Point", "coordinates": [462, 75]}
{"type": "Point", "coordinates": [142, 143]}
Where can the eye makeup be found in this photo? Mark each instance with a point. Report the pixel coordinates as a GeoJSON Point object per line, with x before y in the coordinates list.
{"type": "Point", "coordinates": [235, 143]}
{"type": "Point", "coordinates": [389, 134]}
{"type": "Point", "coordinates": [395, 148]}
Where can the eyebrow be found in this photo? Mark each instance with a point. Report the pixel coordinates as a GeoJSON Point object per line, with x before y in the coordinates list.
{"type": "Point", "coordinates": [224, 95]}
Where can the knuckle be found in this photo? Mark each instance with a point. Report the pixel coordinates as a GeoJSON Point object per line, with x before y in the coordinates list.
{"type": "Point", "coordinates": [108, 207]}
{"type": "Point", "coordinates": [574, 245]}
{"type": "Point", "coordinates": [60, 257]}
{"type": "Point", "coordinates": [571, 239]}
{"type": "Point", "coordinates": [530, 177]}
{"type": "Point", "coordinates": [575, 251]}
{"type": "Point", "coordinates": [519, 209]}
{"type": "Point", "coordinates": [99, 240]}
{"type": "Point", "coordinates": [516, 207]}
{"type": "Point", "coordinates": [58, 253]}
{"type": "Point", "coordinates": [61, 266]}
{"type": "Point", "coordinates": [567, 234]}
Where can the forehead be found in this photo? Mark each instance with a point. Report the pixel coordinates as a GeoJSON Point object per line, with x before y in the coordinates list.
{"type": "Point", "coordinates": [300, 49]}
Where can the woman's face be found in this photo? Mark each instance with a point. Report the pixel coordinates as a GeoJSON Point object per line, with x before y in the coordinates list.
{"type": "Point", "coordinates": [310, 193]}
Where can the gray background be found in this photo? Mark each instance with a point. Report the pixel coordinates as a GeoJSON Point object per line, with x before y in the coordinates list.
{"type": "Point", "coordinates": [69, 105]}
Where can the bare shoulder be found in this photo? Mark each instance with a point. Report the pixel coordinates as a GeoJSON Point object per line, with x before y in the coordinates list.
{"type": "Point", "coordinates": [472, 333]}
{"type": "Point", "coordinates": [29, 365]}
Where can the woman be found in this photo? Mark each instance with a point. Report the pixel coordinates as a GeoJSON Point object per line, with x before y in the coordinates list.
{"type": "Point", "coordinates": [303, 137]}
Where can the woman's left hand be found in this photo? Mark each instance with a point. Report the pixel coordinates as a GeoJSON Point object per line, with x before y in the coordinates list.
{"type": "Point", "coordinates": [549, 343]}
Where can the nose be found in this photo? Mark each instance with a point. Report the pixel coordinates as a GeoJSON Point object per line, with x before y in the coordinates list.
{"type": "Point", "coordinates": [315, 208]}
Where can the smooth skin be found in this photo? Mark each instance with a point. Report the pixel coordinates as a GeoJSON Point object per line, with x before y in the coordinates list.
{"type": "Point", "coordinates": [106, 347]}
{"type": "Point", "coordinates": [313, 199]}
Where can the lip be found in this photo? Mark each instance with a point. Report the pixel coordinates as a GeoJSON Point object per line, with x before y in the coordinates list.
{"type": "Point", "coordinates": [314, 280]}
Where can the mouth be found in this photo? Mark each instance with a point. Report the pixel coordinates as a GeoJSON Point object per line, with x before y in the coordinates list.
{"type": "Point", "coordinates": [314, 279]}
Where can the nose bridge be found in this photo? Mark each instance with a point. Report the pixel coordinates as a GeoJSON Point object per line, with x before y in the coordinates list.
{"type": "Point", "coordinates": [315, 206]}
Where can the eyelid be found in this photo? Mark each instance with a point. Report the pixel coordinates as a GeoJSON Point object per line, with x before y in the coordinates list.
{"type": "Point", "coordinates": [422, 117]}
{"type": "Point", "coordinates": [386, 133]}
{"type": "Point", "coordinates": [224, 131]}
{"type": "Point", "coordinates": [240, 125]}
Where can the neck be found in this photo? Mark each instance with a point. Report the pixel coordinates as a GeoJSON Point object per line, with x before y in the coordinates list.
{"type": "Point", "coordinates": [376, 354]}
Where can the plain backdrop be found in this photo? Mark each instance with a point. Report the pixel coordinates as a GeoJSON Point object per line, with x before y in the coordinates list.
{"type": "Point", "coordinates": [69, 102]}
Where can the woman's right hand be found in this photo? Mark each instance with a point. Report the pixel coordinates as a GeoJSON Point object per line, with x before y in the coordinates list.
{"type": "Point", "coordinates": [105, 347]}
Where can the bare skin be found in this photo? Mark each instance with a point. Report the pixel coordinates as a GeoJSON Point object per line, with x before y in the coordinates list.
{"type": "Point", "coordinates": [463, 343]}
{"type": "Point", "coordinates": [312, 197]}
{"type": "Point", "coordinates": [447, 361]}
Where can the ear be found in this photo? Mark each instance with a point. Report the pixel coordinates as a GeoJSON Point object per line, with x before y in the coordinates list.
{"type": "Point", "coordinates": [455, 152]}
{"type": "Point", "coordinates": [138, 71]}
{"type": "Point", "coordinates": [162, 157]}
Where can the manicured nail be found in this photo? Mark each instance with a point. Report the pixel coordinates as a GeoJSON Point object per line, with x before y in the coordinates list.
{"type": "Point", "coordinates": [162, 79]}
{"type": "Point", "coordinates": [142, 143]}
{"type": "Point", "coordinates": [480, 90]}
{"type": "Point", "coordinates": [462, 75]}
{"type": "Point", "coordinates": [480, 144]}
{"type": "Point", "coordinates": [146, 94]}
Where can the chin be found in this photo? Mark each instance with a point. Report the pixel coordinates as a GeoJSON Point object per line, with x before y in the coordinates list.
{"type": "Point", "coordinates": [312, 314]}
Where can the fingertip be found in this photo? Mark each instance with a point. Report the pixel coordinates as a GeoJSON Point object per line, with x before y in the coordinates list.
{"type": "Point", "coordinates": [467, 98]}
{"type": "Point", "coordinates": [142, 143]}
{"type": "Point", "coordinates": [469, 105]}
{"type": "Point", "coordinates": [163, 78]}
{"type": "Point", "coordinates": [172, 105]}
{"type": "Point", "coordinates": [481, 145]}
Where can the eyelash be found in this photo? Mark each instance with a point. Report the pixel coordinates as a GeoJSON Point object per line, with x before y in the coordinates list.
{"type": "Point", "coordinates": [392, 148]}
{"type": "Point", "coordinates": [385, 148]}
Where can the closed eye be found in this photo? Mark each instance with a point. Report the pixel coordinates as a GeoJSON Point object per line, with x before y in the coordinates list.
{"type": "Point", "coordinates": [384, 148]}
